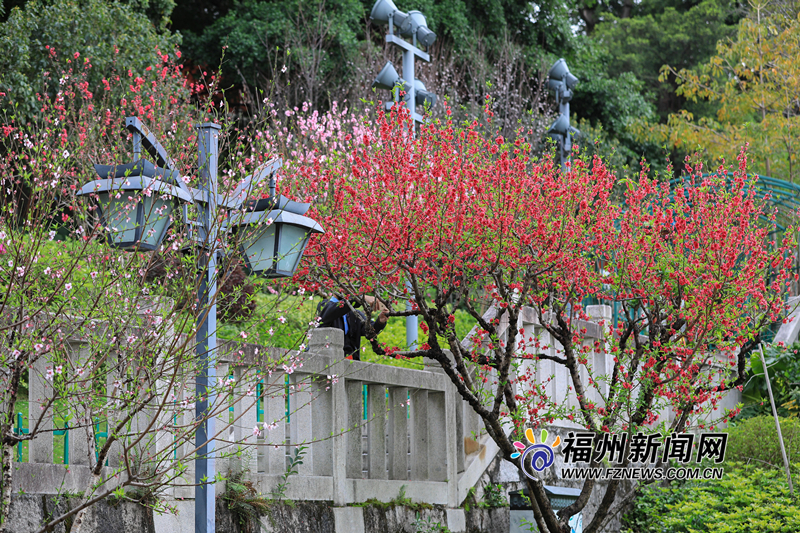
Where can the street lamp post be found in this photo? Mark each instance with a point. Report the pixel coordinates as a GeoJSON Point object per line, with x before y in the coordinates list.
{"type": "Point", "coordinates": [562, 82]}
{"type": "Point", "coordinates": [410, 25]}
{"type": "Point", "coordinates": [140, 219]}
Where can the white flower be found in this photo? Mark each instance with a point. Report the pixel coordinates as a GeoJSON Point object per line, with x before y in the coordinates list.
{"type": "Point", "coordinates": [68, 286]}
{"type": "Point", "coordinates": [94, 275]}
{"type": "Point", "coordinates": [47, 271]}
{"type": "Point", "coordinates": [256, 431]}
{"type": "Point", "coordinates": [66, 153]}
{"type": "Point", "coordinates": [271, 331]}
{"type": "Point", "coordinates": [49, 374]}
{"type": "Point", "coordinates": [282, 319]}
{"type": "Point", "coordinates": [16, 354]}
{"type": "Point", "coordinates": [269, 221]}
{"type": "Point", "coordinates": [243, 335]}
{"type": "Point", "coordinates": [52, 235]}
{"type": "Point", "coordinates": [282, 70]}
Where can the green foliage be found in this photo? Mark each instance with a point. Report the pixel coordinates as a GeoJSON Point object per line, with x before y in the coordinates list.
{"type": "Point", "coordinates": [113, 37]}
{"type": "Point", "coordinates": [783, 365]}
{"type": "Point", "coordinates": [428, 525]}
{"type": "Point", "coordinates": [279, 492]}
{"type": "Point", "coordinates": [746, 500]}
{"type": "Point", "coordinates": [674, 35]}
{"type": "Point", "coordinates": [756, 440]}
{"type": "Point", "coordinates": [243, 501]}
{"type": "Point", "coordinates": [494, 496]}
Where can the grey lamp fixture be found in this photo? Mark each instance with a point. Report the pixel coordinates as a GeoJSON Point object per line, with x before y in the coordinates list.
{"type": "Point", "coordinates": [388, 78]}
{"type": "Point", "coordinates": [279, 235]}
{"type": "Point", "coordinates": [385, 11]}
{"type": "Point", "coordinates": [423, 97]}
{"type": "Point", "coordinates": [560, 72]}
{"type": "Point", "coordinates": [416, 25]}
{"type": "Point", "coordinates": [137, 202]}
{"type": "Point", "coordinates": [562, 82]}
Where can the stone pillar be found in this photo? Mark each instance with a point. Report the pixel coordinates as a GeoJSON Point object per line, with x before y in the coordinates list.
{"type": "Point", "coordinates": [302, 423]}
{"type": "Point", "coordinates": [398, 433]}
{"type": "Point", "coordinates": [376, 420]}
{"type": "Point", "coordinates": [419, 435]}
{"type": "Point", "coordinates": [40, 389]}
{"type": "Point", "coordinates": [355, 415]}
{"type": "Point", "coordinates": [245, 415]}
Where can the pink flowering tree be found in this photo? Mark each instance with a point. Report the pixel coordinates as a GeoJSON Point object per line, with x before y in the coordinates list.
{"type": "Point", "coordinates": [102, 341]}
{"type": "Point", "coordinates": [453, 218]}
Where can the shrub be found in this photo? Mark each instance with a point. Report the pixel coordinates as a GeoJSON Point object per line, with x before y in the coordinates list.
{"type": "Point", "coordinates": [746, 500]}
{"type": "Point", "coordinates": [756, 440]}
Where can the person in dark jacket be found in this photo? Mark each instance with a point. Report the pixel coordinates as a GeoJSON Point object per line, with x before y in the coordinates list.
{"type": "Point", "coordinates": [334, 313]}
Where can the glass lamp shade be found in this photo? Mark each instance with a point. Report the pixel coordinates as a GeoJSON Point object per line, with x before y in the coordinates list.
{"type": "Point", "coordinates": [140, 221]}
{"type": "Point", "coordinates": [136, 211]}
{"type": "Point", "coordinates": [274, 250]}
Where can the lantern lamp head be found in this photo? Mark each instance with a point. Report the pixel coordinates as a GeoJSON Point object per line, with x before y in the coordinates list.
{"type": "Point", "coordinates": [135, 205]}
{"type": "Point", "coordinates": [275, 236]}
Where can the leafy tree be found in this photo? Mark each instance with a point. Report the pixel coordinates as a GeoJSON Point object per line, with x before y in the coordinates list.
{"type": "Point", "coordinates": [115, 38]}
{"type": "Point", "coordinates": [754, 83]}
{"type": "Point", "coordinates": [678, 36]}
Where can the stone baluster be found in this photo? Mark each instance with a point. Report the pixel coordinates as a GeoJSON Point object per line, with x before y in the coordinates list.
{"type": "Point", "coordinates": [355, 413]}
{"type": "Point", "coordinates": [275, 417]}
{"type": "Point", "coordinates": [419, 435]}
{"type": "Point", "coordinates": [302, 419]}
{"type": "Point", "coordinates": [437, 425]}
{"type": "Point", "coordinates": [245, 415]}
{"type": "Point", "coordinates": [39, 392]}
{"type": "Point", "coordinates": [376, 420]}
{"type": "Point", "coordinates": [398, 433]}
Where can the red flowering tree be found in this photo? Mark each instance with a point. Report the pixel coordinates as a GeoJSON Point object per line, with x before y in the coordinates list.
{"type": "Point", "coordinates": [452, 218]}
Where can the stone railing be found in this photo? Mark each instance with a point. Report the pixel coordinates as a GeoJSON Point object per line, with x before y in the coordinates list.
{"type": "Point", "coordinates": [368, 429]}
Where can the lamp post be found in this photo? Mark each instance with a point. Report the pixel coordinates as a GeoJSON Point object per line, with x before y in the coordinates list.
{"type": "Point", "coordinates": [562, 82]}
{"type": "Point", "coordinates": [412, 25]}
{"type": "Point", "coordinates": [139, 220]}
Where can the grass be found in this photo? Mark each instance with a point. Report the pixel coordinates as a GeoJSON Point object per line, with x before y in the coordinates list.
{"type": "Point", "coordinates": [298, 312]}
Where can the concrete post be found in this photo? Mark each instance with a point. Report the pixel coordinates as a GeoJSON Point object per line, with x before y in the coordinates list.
{"type": "Point", "coordinates": [398, 433]}
{"type": "Point", "coordinates": [355, 414]}
{"type": "Point", "coordinates": [419, 435]}
{"type": "Point", "coordinates": [245, 414]}
{"type": "Point", "coordinates": [40, 390]}
{"type": "Point", "coordinates": [376, 399]}
{"type": "Point", "coordinates": [275, 413]}
{"type": "Point", "coordinates": [302, 425]}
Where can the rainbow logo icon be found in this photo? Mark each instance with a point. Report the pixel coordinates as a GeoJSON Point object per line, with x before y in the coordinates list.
{"type": "Point", "coordinates": [542, 453]}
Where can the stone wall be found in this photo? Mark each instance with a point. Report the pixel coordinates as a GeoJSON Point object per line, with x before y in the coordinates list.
{"type": "Point", "coordinates": [28, 512]}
